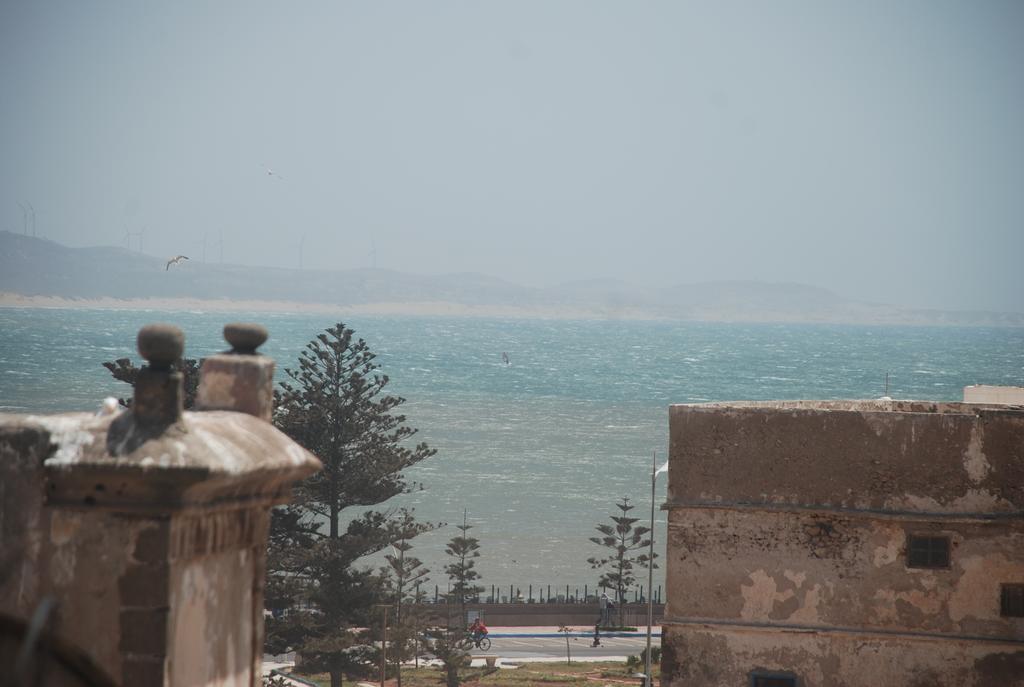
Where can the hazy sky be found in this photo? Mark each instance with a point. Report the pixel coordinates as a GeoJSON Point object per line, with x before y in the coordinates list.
{"type": "Point", "coordinates": [874, 148]}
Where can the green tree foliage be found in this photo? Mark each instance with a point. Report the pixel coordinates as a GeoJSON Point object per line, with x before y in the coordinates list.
{"type": "Point", "coordinates": [627, 549]}
{"type": "Point", "coordinates": [321, 599]}
{"type": "Point", "coordinates": [447, 646]}
{"type": "Point", "coordinates": [402, 575]}
{"type": "Point", "coordinates": [640, 661]}
{"type": "Point", "coordinates": [464, 550]}
{"type": "Point", "coordinates": [123, 370]}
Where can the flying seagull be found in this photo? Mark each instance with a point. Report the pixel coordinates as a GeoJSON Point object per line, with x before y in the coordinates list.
{"type": "Point", "coordinates": [272, 173]}
{"type": "Point", "coordinates": [175, 260]}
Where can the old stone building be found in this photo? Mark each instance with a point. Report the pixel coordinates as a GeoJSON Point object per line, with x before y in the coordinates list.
{"type": "Point", "coordinates": [133, 542]}
{"type": "Point", "coordinates": [816, 544]}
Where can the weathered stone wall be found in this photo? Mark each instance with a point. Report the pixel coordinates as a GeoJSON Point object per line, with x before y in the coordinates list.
{"type": "Point", "coordinates": [815, 570]}
{"type": "Point", "coordinates": [788, 533]}
{"type": "Point", "coordinates": [217, 578]}
{"type": "Point", "coordinates": [24, 523]}
{"type": "Point", "coordinates": [720, 655]}
{"type": "Point", "coordinates": [67, 555]}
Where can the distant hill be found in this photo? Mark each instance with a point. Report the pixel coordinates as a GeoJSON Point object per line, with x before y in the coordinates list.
{"type": "Point", "coordinates": [36, 267]}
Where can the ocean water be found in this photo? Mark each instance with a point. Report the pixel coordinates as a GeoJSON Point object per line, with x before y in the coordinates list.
{"type": "Point", "coordinates": [537, 451]}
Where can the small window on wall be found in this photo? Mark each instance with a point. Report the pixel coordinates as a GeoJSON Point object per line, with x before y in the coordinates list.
{"type": "Point", "coordinates": [1011, 605]}
{"type": "Point", "coordinates": [927, 552]}
{"type": "Point", "coordinates": [772, 680]}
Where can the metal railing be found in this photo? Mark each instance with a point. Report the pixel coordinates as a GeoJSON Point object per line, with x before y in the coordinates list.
{"type": "Point", "coordinates": [540, 594]}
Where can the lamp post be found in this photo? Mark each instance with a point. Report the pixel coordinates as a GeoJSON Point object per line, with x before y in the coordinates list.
{"type": "Point", "coordinates": [384, 644]}
{"type": "Point", "coordinates": [650, 569]}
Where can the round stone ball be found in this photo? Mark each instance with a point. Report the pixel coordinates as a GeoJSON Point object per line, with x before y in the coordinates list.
{"type": "Point", "coordinates": [161, 344]}
{"type": "Point", "coordinates": [245, 337]}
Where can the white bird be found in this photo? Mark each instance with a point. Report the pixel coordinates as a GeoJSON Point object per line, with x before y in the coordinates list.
{"type": "Point", "coordinates": [108, 407]}
{"type": "Point", "coordinates": [175, 260]}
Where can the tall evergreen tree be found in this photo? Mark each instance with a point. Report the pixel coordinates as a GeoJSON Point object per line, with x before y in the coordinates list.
{"type": "Point", "coordinates": [627, 549]}
{"type": "Point", "coordinates": [450, 650]}
{"type": "Point", "coordinates": [403, 574]}
{"type": "Point", "coordinates": [464, 551]}
{"type": "Point", "coordinates": [334, 405]}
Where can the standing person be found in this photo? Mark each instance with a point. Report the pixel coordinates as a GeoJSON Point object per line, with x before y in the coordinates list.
{"type": "Point", "coordinates": [603, 605]}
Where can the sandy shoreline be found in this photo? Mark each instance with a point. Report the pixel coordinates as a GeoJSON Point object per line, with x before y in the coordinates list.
{"type": "Point", "coordinates": [881, 315]}
{"type": "Point", "coordinates": [421, 309]}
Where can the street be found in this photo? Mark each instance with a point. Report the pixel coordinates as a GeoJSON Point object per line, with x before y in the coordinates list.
{"type": "Point", "coordinates": [523, 645]}
{"type": "Point", "coordinates": [553, 647]}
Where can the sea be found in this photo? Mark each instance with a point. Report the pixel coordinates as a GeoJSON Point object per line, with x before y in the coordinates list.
{"type": "Point", "coordinates": [536, 452]}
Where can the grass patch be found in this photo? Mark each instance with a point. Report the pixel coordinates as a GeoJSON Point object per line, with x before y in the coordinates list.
{"type": "Point", "coordinates": [576, 674]}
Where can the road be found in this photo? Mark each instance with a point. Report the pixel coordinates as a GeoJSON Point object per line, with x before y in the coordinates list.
{"type": "Point", "coordinates": [524, 644]}
{"type": "Point", "coordinates": [513, 647]}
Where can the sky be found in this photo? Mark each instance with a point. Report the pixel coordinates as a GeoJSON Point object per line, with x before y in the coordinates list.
{"type": "Point", "coordinates": [874, 148]}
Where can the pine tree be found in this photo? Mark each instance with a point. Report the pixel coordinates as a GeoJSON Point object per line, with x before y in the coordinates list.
{"type": "Point", "coordinates": [334, 405]}
{"type": "Point", "coordinates": [124, 370]}
{"type": "Point", "coordinates": [402, 577]}
{"type": "Point", "coordinates": [447, 646]}
{"type": "Point", "coordinates": [628, 549]}
{"type": "Point", "coordinates": [464, 551]}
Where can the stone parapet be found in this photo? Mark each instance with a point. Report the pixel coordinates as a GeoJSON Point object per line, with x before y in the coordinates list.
{"type": "Point", "coordinates": [204, 460]}
{"type": "Point", "coordinates": [884, 456]}
{"type": "Point", "coordinates": [987, 393]}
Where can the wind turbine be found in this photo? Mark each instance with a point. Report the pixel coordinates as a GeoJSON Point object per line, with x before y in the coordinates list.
{"type": "Point", "coordinates": [33, 210]}
{"type": "Point", "coordinates": [24, 219]}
